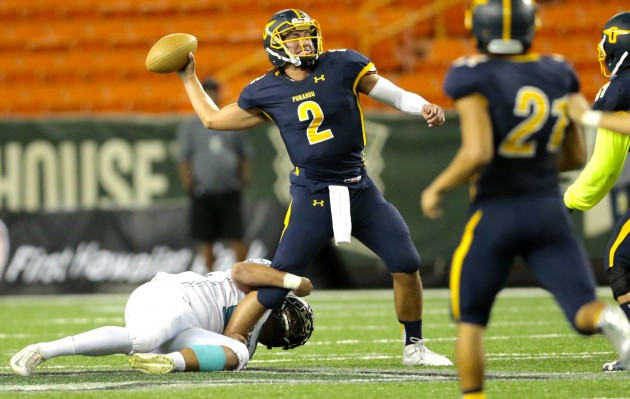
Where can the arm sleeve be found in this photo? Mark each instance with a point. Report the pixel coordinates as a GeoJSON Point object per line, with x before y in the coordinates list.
{"type": "Point", "coordinates": [392, 95]}
{"type": "Point", "coordinates": [601, 172]}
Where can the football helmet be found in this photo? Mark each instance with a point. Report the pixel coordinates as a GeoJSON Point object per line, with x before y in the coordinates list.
{"type": "Point", "coordinates": [279, 26]}
{"type": "Point", "coordinates": [502, 27]}
{"type": "Point", "coordinates": [289, 326]}
{"type": "Point", "coordinates": [613, 50]}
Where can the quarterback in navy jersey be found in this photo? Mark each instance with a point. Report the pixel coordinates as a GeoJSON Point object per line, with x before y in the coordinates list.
{"type": "Point", "coordinates": [331, 151]}
{"type": "Point", "coordinates": [313, 98]}
{"type": "Point", "coordinates": [612, 144]}
{"type": "Point", "coordinates": [516, 136]}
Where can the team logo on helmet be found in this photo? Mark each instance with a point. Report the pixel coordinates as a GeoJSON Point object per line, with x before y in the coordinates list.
{"type": "Point", "coordinates": [275, 43]}
{"type": "Point", "coordinates": [613, 50]}
{"type": "Point", "coordinates": [502, 27]}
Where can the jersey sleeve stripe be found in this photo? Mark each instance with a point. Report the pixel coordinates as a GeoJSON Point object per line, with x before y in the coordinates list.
{"type": "Point", "coordinates": [369, 67]}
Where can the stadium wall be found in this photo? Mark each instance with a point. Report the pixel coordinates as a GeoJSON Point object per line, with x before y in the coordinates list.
{"type": "Point", "coordinates": [95, 204]}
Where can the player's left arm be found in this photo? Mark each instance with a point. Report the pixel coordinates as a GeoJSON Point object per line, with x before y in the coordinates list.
{"type": "Point", "coordinates": [617, 121]}
{"type": "Point", "coordinates": [249, 276]}
{"type": "Point", "coordinates": [386, 92]}
{"type": "Point", "coordinates": [475, 151]}
{"type": "Point", "coordinates": [601, 171]}
{"type": "Point", "coordinates": [580, 111]}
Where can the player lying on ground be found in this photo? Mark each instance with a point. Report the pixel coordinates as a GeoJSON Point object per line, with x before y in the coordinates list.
{"type": "Point", "coordinates": [188, 312]}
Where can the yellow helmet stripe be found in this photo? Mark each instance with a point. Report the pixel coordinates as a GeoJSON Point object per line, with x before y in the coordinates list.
{"type": "Point", "coordinates": [507, 19]}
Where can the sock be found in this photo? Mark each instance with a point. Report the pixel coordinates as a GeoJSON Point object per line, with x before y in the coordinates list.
{"type": "Point", "coordinates": [178, 358]}
{"type": "Point", "coordinates": [475, 393]}
{"type": "Point", "coordinates": [626, 309]}
{"type": "Point", "coordinates": [98, 342]}
{"type": "Point", "coordinates": [60, 347]}
{"type": "Point", "coordinates": [103, 341]}
{"type": "Point", "coordinates": [411, 329]}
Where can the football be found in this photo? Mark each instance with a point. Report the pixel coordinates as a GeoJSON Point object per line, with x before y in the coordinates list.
{"type": "Point", "coordinates": [170, 53]}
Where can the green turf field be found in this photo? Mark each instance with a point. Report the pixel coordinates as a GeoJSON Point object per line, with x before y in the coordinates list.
{"type": "Point", "coordinates": [354, 353]}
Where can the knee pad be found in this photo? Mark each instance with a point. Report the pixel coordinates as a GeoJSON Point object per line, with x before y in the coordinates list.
{"type": "Point", "coordinates": [271, 297]}
{"type": "Point", "coordinates": [240, 350]}
{"type": "Point", "coordinates": [143, 343]}
{"type": "Point", "coordinates": [407, 263]}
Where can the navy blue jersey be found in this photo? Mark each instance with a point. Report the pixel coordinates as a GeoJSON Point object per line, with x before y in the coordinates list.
{"type": "Point", "coordinates": [615, 95]}
{"type": "Point", "coordinates": [526, 98]}
{"type": "Point", "coordinates": [320, 118]}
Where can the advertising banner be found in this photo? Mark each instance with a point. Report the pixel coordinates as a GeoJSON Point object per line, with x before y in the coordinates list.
{"type": "Point", "coordinates": [86, 203]}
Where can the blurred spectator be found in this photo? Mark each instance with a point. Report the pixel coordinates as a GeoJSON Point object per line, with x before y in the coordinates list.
{"type": "Point", "coordinates": [214, 169]}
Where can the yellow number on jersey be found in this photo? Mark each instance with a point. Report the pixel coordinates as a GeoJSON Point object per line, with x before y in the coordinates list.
{"type": "Point", "coordinates": [533, 104]}
{"type": "Point", "coordinates": [310, 110]}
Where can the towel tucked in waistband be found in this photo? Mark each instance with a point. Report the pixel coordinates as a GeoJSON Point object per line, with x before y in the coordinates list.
{"type": "Point", "coordinates": [340, 211]}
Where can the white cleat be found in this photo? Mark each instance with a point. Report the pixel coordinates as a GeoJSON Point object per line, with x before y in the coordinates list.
{"type": "Point", "coordinates": [25, 361]}
{"type": "Point", "coordinates": [417, 354]}
{"type": "Point", "coordinates": [151, 363]}
{"type": "Point", "coordinates": [616, 328]}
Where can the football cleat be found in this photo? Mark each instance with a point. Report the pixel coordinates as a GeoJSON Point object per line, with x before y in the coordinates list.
{"type": "Point", "coordinates": [615, 326]}
{"type": "Point", "coordinates": [151, 363]}
{"type": "Point", "coordinates": [25, 361]}
{"type": "Point", "coordinates": [614, 366]}
{"type": "Point", "coordinates": [417, 354]}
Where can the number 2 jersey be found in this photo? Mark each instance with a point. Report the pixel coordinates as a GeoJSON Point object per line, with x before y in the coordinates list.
{"type": "Point", "coordinates": [526, 98]}
{"type": "Point", "coordinates": [320, 118]}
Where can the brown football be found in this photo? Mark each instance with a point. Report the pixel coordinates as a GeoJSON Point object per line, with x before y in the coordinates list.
{"type": "Point", "coordinates": [170, 53]}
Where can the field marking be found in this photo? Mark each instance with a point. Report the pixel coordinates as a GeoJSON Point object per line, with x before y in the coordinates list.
{"type": "Point", "coordinates": [292, 376]}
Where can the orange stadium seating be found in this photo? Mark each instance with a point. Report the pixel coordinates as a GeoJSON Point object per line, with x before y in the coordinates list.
{"type": "Point", "coordinates": [88, 55]}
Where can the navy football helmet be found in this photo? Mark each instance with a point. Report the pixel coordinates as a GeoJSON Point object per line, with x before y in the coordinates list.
{"type": "Point", "coordinates": [502, 27]}
{"type": "Point", "coordinates": [614, 49]}
{"type": "Point", "coordinates": [289, 326]}
{"type": "Point", "coordinates": [281, 24]}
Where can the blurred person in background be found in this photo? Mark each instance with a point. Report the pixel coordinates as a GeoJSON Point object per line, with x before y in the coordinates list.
{"type": "Point", "coordinates": [515, 138]}
{"type": "Point", "coordinates": [313, 98]}
{"type": "Point", "coordinates": [612, 144]}
{"type": "Point", "coordinates": [214, 170]}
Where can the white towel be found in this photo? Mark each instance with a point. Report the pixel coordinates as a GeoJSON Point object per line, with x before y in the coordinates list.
{"type": "Point", "coordinates": [340, 210]}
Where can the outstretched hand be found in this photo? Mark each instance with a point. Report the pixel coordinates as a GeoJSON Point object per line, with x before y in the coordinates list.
{"type": "Point", "coordinates": [433, 114]}
{"type": "Point", "coordinates": [189, 69]}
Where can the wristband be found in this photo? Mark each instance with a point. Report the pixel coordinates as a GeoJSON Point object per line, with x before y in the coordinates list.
{"type": "Point", "coordinates": [591, 118]}
{"type": "Point", "coordinates": [291, 281]}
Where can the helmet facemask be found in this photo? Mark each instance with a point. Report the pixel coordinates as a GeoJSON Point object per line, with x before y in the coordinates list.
{"type": "Point", "coordinates": [275, 41]}
{"type": "Point", "coordinates": [289, 326]}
